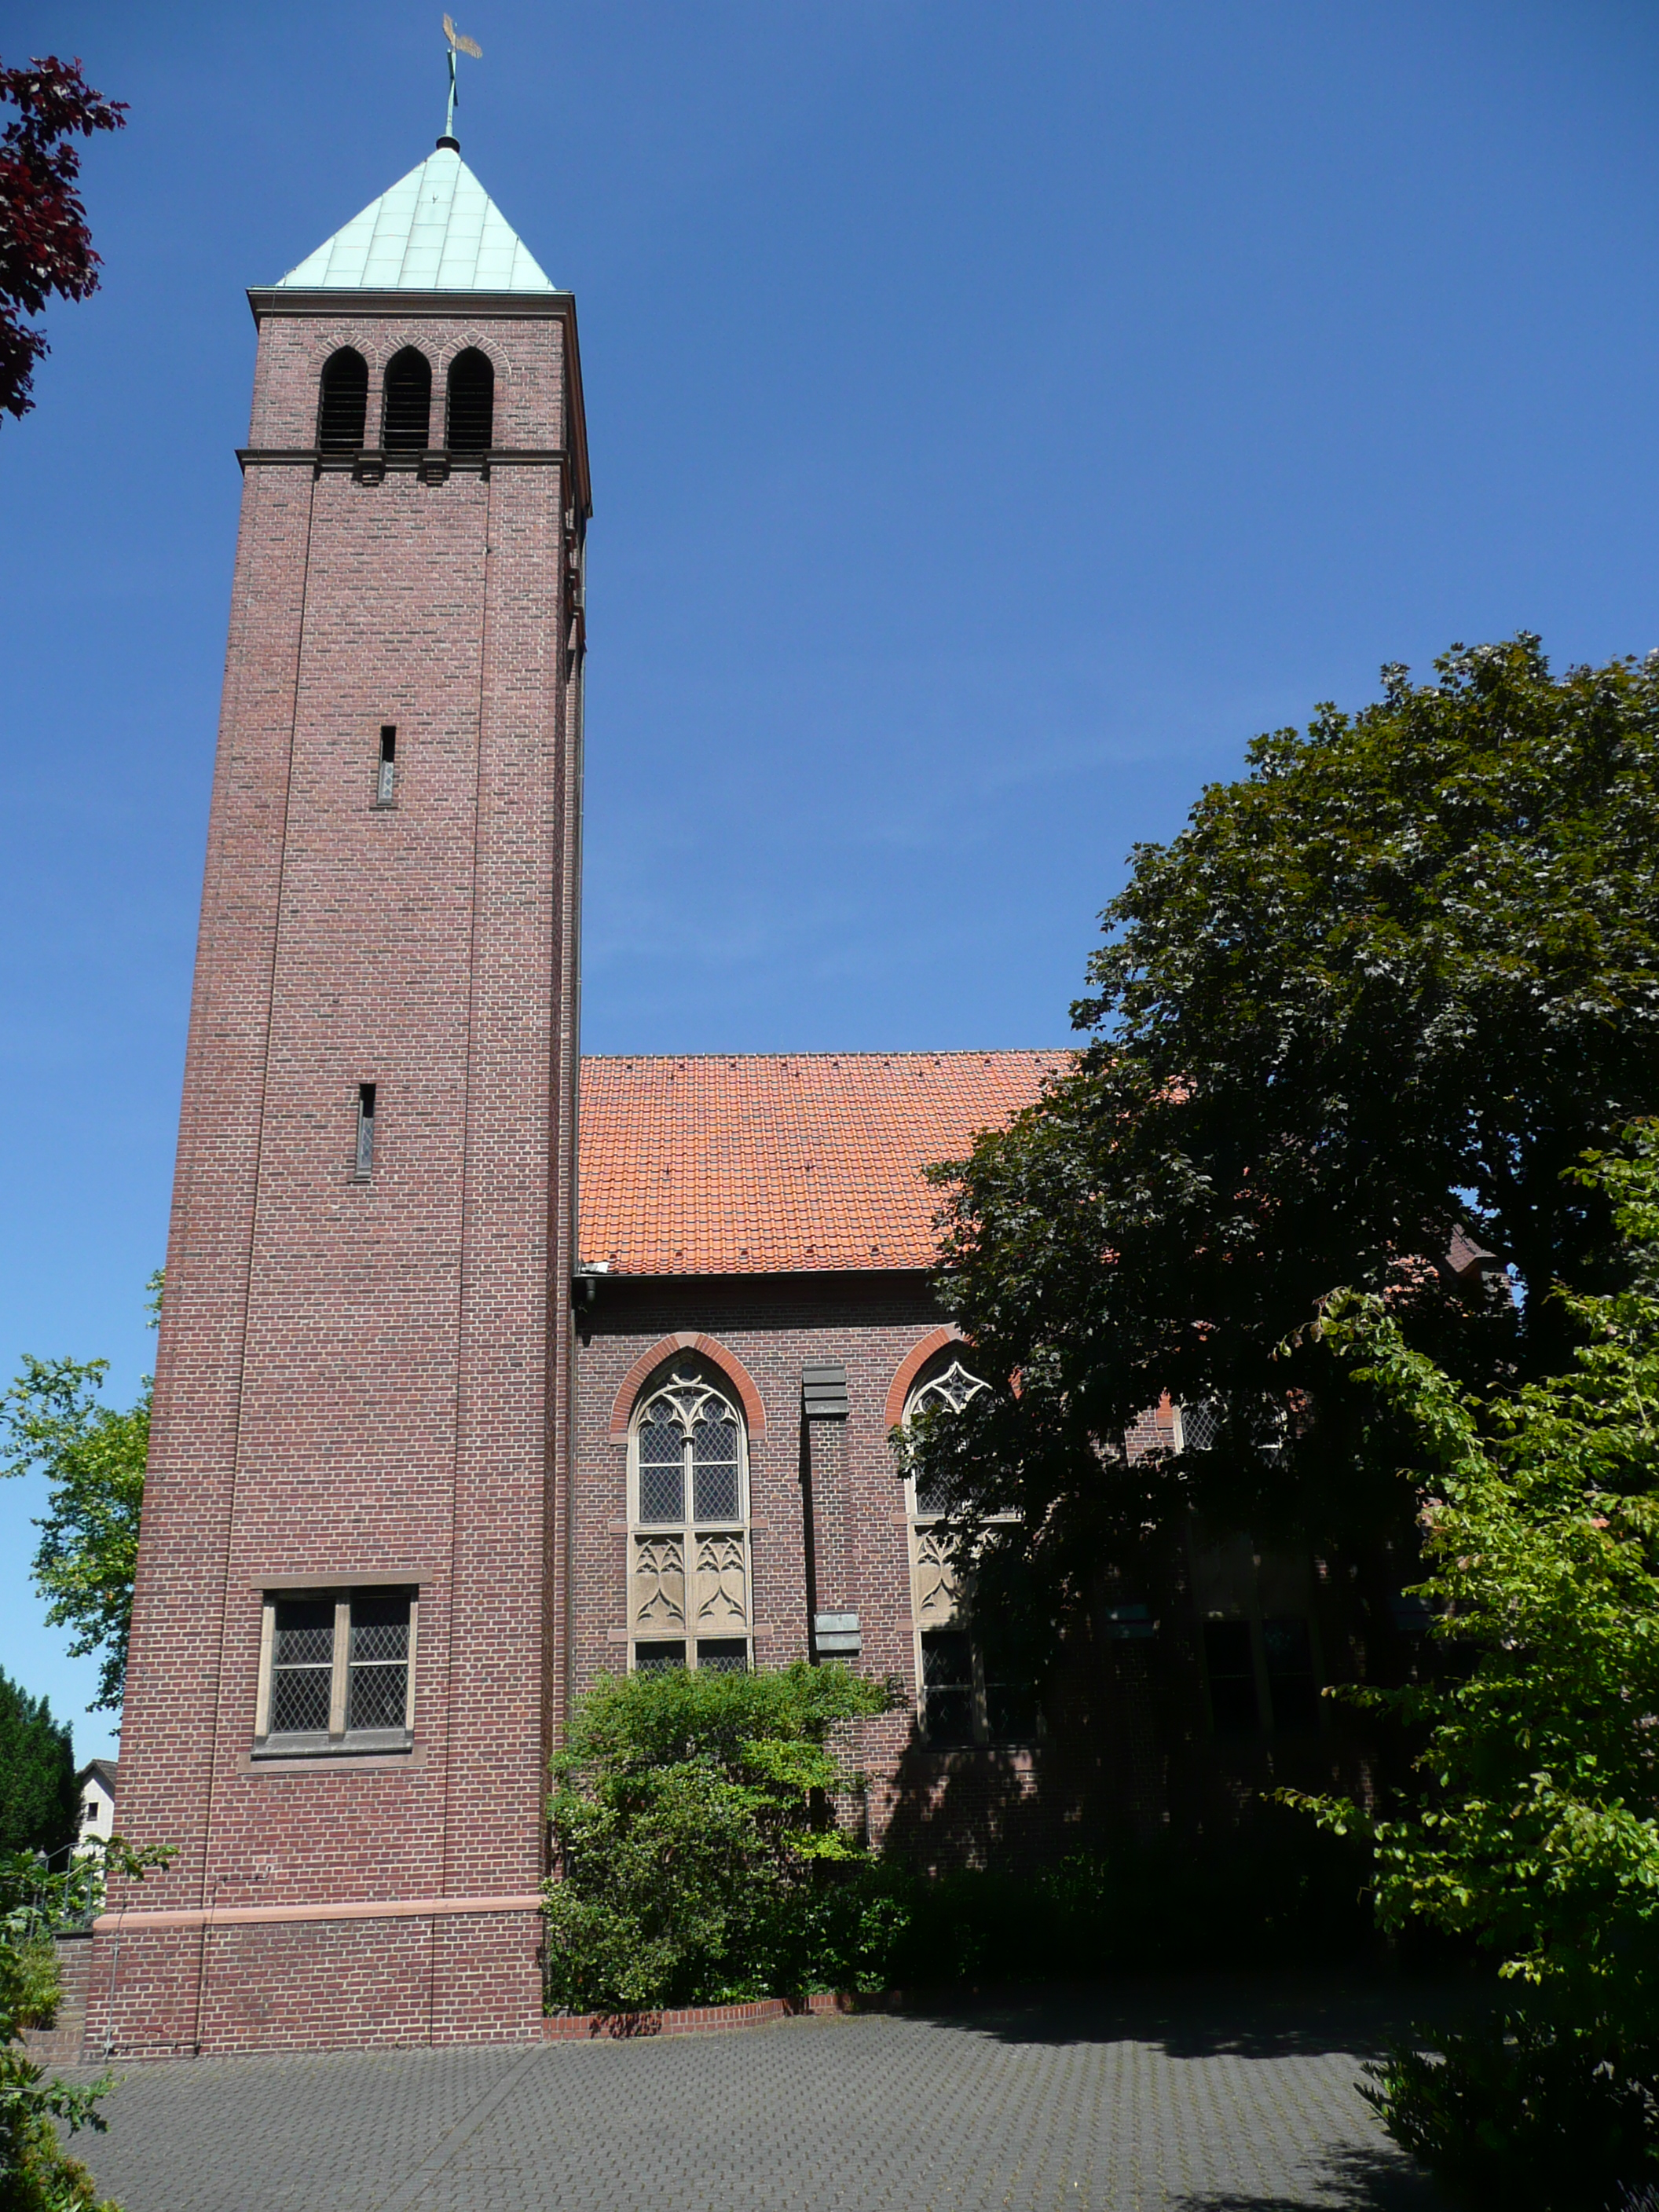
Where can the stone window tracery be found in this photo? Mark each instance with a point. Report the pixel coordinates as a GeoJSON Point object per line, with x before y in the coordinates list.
{"type": "Point", "coordinates": [689, 1596]}
{"type": "Point", "coordinates": [967, 1692]}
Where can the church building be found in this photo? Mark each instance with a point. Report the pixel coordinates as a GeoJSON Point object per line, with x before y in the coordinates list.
{"type": "Point", "coordinates": [486, 1370]}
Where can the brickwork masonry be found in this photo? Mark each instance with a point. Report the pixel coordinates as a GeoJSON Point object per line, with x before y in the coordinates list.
{"type": "Point", "coordinates": [368, 1377]}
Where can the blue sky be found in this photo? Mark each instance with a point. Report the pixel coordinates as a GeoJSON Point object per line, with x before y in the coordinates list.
{"type": "Point", "coordinates": [997, 414]}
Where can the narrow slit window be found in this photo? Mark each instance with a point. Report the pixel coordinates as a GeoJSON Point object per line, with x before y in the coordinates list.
{"type": "Point", "coordinates": [365, 1131]}
{"type": "Point", "coordinates": [385, 782]}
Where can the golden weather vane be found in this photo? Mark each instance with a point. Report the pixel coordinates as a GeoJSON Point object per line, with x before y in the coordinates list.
{"type": "Point", "coordinates": [458, 44]}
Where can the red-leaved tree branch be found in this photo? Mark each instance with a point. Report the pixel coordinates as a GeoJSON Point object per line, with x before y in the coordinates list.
{"type": "Point", "coordinates": [44, 243]}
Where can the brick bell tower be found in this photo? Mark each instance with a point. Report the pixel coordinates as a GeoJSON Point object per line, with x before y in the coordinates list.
{"type": "Point", "coordinates": [344, 1654]}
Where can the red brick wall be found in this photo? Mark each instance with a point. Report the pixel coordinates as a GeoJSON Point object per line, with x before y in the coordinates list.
{"type": "Point", "coordinates": [943, 1806]}
{"type": "Point", "coordinates": [1127, 1748]}
{"type": "Point", "coordinates": [317, 1985]}
{"type": "Point", "coordinates": [358, 1377]}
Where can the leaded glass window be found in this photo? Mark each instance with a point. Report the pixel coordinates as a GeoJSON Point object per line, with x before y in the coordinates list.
{"type": "Point", "coordinates": [947, 1687]}
{"type": "Point", "coordinates": [950, 1392]}
{"type": "Point", "coordinates": [1261, 1674]}
{"type": "Point", "coordinates": [336, 1673]}
{"type": "Point", "coordinates": [662, 1468]}
{"type": "Point", "coordinates": [302, 1667]}
{"type": "Point", "coordinates": [969, 1690]}
{"type": "Point", "coordinates": [688, 1595]}
{"type": "Point", "coordinates": [378, 1668]}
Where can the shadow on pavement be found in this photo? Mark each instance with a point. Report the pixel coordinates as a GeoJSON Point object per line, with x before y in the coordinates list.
{"type": "Point", "coordinates": [1352, 2181]}
{"type": "Point", "coordinates": [1207, 2018]}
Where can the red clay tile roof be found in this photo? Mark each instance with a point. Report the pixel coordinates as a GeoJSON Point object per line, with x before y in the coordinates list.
{"type": "Point", "coordinates": [760, 1164]}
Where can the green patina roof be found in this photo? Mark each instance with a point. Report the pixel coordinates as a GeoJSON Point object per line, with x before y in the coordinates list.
{"type": "Point", "coordinates": [435, 230]}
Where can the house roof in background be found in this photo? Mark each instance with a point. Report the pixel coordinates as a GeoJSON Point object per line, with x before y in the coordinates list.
{"type": "Point", "coordinates": [434, 230]}
{"type": "Point", "coordinates": [774, 1162]}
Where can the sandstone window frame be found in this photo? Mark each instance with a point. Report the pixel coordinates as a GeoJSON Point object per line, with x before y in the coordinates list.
{"type": "Point", "coordinates": [345, 1638]}
{"type": "Point", "coordinates": [690, 1577]}
{"type": "Point", "coordinates": [939, 1627]}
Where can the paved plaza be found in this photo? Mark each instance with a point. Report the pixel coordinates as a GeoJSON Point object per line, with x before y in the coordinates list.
{"type": "Point", "coordinates": [1207, 2100]}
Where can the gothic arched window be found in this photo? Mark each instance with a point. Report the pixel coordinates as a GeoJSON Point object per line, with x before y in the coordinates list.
{"type": "Point", "coordinates": [407, 421]}
{"type": "Point", "coordinates": [343, 401]}
{"type": "Point", "coordinates": [969, 1688]}
{"type": "Point", "coordinates": [688, 1485]}
{"type": "Point", "coordinates": [472, 416]}
{"type": "Point", "coordinates": [950, 1389]}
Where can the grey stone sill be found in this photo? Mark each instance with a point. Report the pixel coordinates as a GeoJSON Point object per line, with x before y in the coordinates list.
{"type": "Point", "coordinates": [366, 1743]}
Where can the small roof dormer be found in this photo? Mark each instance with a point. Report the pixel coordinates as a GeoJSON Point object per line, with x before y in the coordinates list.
{"type": "Point", "coordinates": [435, 230]}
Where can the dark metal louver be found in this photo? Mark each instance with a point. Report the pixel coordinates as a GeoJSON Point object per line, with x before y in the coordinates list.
{"type": "Point", "coordinates": [344, 405]}
{"type": "Point", "coordinates": [408, 403]}
{"type": "Point", "coordinates": [836, 1636]}
{"type": "Point", "coordinates": [471, 403]}
{"type": "Point", "coordinates": [823, 1390]}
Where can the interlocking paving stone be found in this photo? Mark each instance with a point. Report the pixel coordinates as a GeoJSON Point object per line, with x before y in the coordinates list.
{"type": "Point", "coordinates": [1194, 2100]}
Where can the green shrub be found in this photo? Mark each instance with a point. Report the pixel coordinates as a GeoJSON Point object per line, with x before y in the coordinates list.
{"type": "Point", "coordinates": [1535, 2118]}
{"type": "Point", "coordinates": [700, 1863]}
{"type": "Point", "coordinates": [700, 1860]}
{"type": "Point", "coordinates": [1533, 1833]}
{"type": "Point", "coordinates": [36, 2174]}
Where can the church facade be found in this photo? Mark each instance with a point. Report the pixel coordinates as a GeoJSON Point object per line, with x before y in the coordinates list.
{"type": "Point", "coordinates": [485, 1369]}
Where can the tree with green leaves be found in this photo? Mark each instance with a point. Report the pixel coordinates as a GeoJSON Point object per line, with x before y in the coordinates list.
{"type": "Point", "coordinates": [1533, 1831]}
{"type": "Point", "coordinates": [699, 1857]}
{"type": "Point", "coordinates": [92, 1456]}
{"type": "Point", "coordinates": [1369, 1007]}
{"type": "Point", "coordinates": [40, 1796]}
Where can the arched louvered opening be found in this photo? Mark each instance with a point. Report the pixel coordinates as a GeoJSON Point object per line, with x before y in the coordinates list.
{"type": "Point", "coordinates": [408, 403]}
{"type": "Point", "coordinates": [343, 406]}
{"type": "Point", "coordinates": [471, 403]}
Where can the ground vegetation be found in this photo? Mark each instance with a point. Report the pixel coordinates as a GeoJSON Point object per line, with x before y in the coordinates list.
{"type": "Point", "coordinates": [700, 1855]}
{"type": "Point", "coordinates": [1532, 1833]}
{"type": "Point", "coordinates": [37, 2107]}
